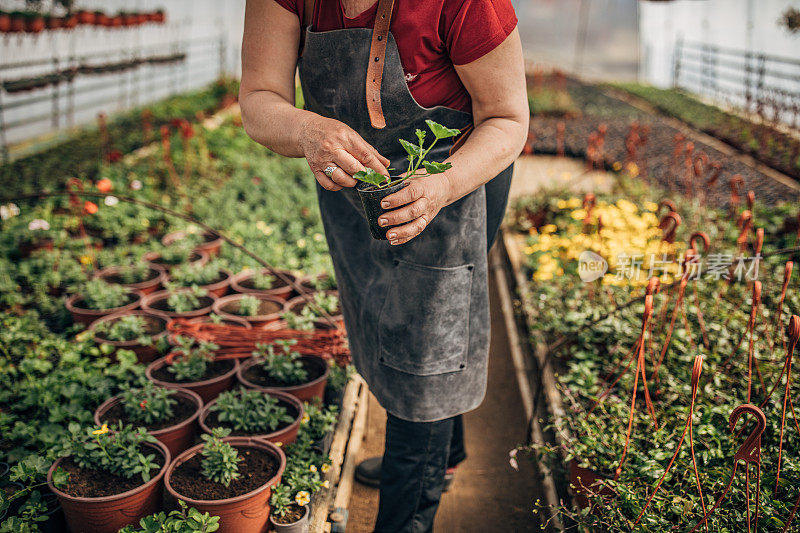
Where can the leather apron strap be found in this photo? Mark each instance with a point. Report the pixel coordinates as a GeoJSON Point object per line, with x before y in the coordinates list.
{"type": "Point", "coordinates": [377, 55]}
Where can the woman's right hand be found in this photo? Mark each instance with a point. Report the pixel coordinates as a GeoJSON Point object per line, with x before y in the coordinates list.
{"type": "Point", "coordinates": [327, 142]}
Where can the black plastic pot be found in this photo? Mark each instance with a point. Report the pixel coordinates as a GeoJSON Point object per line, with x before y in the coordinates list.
{"type": "Point", "coordinates": [371, 197]}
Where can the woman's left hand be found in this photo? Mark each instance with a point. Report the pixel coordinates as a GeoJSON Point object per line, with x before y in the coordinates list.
{"type": "Point", "coordinates": [418, 202]}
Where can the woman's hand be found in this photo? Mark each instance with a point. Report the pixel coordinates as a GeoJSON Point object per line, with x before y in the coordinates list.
{"type": "Point", "coordinates": [327, 142]}
{"type": "Point", "coordinates": [421, 201]}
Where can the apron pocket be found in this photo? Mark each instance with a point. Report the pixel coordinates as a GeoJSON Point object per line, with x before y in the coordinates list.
{"type": "Point", "coordinates": [423, 328]}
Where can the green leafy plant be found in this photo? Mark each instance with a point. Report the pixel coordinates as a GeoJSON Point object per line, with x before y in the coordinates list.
{"type": "Point", "coordinates": [189, 274]}
{"type": "Point", "coordinates": [281, 500]}
{"type": "Point", "coordinates": [339, 375]}
{"type": "Point", "coordinates": [117, 450]}
{"type": "Point", "coordinates": [248, 306]}
{"type": "Point", "coordinates": [318, 421]}
{"type": "Point", "coordinates": [184, 299]}
{"type": "Point", "coordinates": [149, 403]}
{"type": "Point", "coordinates": [97, 294]}
{"type": "Point", "coordinates": [176, 254]}
{"type": "Point", "coordinates": [280, 362]}
{"type": "Point", "coordinates": [126, 328]}
{"type": "Point", "coordinates": [250, 411]}
{"type": "Point", "coordinates": [134, 273]}
{"type": "Point", "coordinates": [184, 520]}
{"type": "Point", "coordinates": [261, 280]}
{"type": "Point", "coordinates": [304, 321]}
{"type": "Point", "coordinates": [31, 473]}
{"type": "Point", "coordinates": [194, 358]}
{"type": "Point", "coordinates": [416, 158]}
{"type": "Point", "coordinates": [220, 460]}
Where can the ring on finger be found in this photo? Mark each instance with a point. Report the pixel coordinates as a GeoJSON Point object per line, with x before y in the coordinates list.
{"type": "Point", "coordinates": [329, 170]}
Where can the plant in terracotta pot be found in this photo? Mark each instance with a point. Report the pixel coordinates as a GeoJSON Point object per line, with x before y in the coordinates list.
{"type": "Point", "coordinates": [257, 310]}
{"type": "Point", "coordinates": [277, 367]}
{"type": "Point", "coordinates": [143, 277]}
{"type": "Point", "coordinates": [304, 475]}
{"type": "Point", "coordinates": [193, 367]}
{"type": "Point", "coordinates": [375, 186]}
{"type": "Point", "coordinates": [24, 505]}
{"type": "Point", "coordinates": [228, 477]}
{"type": "Point", "coordinates": [210, 277]}
{"type": "Point", "coordinates": [195, 239]}
{"type": "Point", "coordinates": [115, 477]}
{"type": "Point", "coordinates": [96, 299]}
{"type": "Point", "coordinates": [170, 415]}
{"type": "Point", "coordinates": [183, 520]}
{"type": "Point", "coordinates": [312, 306]}
{"type": "Point", "coordinates": [137, 331]}
{"type": "Point", "coordinates": [175, 255]}
{"type": "Point", "coordinates": [319, 282]}
{"type": "Point", "coordinates": [262, 282]}
{"type": "Point", "coordinates": [180, 302]}
{"type": "Point", "coordinates": [273, 416]}
{"type": "Point", "coordinates": [318, 423]}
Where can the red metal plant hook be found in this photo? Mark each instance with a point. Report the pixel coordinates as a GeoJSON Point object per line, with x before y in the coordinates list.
{"type": "Point", "coordinates": [736, 183]}
{"type": "Point", "coordinates": [669, 204]}
{"type": "Point", "coordinates": [703, 238]}
{"type": "Point", "coordinates": [751, 199]}
{"type": "Point", "coordinates": [716, 170]}
{"type": "Point", "coordinates": [749, 453]}
{"type": "Point", "coordinates": [745, 222]}
{"type": "Point", "coordinates": [697, 368]}
{"type": "Point", "coordinates": [669, 225]}
{"type": "Point", "coordinates": [794, 335]}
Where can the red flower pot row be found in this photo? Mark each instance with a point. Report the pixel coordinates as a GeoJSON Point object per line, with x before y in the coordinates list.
{"type": "Point", "coordinates": [35, 23]}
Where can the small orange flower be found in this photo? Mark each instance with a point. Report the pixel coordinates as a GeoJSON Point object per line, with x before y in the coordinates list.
{"type": "Point", "coordinates": [90, 207]}
{"type": "Point", "coordinates": [142, 404]}
{"type": "Point", "coordinates": [104, 185]}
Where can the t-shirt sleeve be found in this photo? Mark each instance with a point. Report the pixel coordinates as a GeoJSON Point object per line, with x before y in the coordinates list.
{"type": "Point", "coordinates": [473, 28]}
{"type": "Point", "coordinates": [292, 6]}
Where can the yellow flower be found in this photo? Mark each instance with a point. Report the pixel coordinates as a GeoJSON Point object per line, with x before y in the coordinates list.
{"type": "Point", "coordinates": [579, 214]}
{"type": "Point", "coordinates": [562, 204]}
{"type": "Point", "coordinates": [312, 468]}
{"type": "Point", "coordinates": [305, 418]}
{"type": "Point", "coordinates": [650, 206]}
{"type": "Point", "coordinates": [325, 468]}
{"type": "Point", "coordinates": [633, 169]}
{"type": "Point", "coordinates": [549, 228]}
{"type": "Point", "coordinates": [326, 484]}
{"type": "Point", "coordinates": [617, 166]}
{"type": "Point", "coordinates": [102, 431]}
{"type": "Point", "coordinates": [302, 498]}
{"type": "Point", "coordinates": [318, 237]}
{"type": "Point", "coordinates": [278, 444]}
{"type": "Point", "coordinates": [86, 260]}
{"type": "Point", "coordinates": [574, 202]}
{"type": "Point", "coordinates": [301, 243]}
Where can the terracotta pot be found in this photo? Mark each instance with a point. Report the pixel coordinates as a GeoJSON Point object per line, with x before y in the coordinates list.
{"type": "Point", "coordinates": [158, 17]}
{"type": "Point", "coordinates": [208, 389]}
{"type": "Point", "coordinates": [285, 436]}
{"type": "Point", "coordinates": [144, 353]}
{"type": "Point", "coordinates": [298, 526]}
{"type": "Point", "coordinates": [157, 302]}
{"type": "Point", "coordinates": [69, 22]}
{"type": "Point", "coordinates": [157, 280]}
{"type": "Point", "coordinates": [86, 316]}
{"type": "Point", "coordinates": [108, 514]}
{"type": "Point", "coordinates": [306, 282]}
{"type": "Point", "coordinates": [34, 24]}
{"type": "Point", "coordinates": [101, 19]}
{"type": "Point", "coordinates": [5, 22]}
{"type": "Point", "coordinates": [257, 321]}
{"type": "Point", "coordinates": [211, 243]}
{"type": "Point", "coordinates": [296, 305]}
{"type": "Point", "coordinates": [85, 17]}
{"type": "Point", "coordinates": [177, 438]}
{"type": "Point", "coordinates": [245, 513]}
{"type": "Point", "coordinates": [281, 290]}
{"type": "Point", "coordinates": [115, 21]}
{"type": "Point", "coordinates": [220, 288]}
{"type": "Point", "coordinates": [53, 23]}
{"type": "Point", "coordinates": [17, 23]}
{"type": "Point", "coordinates": [304, 391]}
{"type": "Point", "coordinates": [130, 20]}
{"type": "Point", "coordinates": [196, 257]}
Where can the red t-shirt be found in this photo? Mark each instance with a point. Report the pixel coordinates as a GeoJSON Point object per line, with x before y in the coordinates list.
{"type": "Point", "coordinates": [431, 36]}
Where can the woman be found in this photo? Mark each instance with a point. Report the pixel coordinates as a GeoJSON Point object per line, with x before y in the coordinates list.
{"type": "Point", "coordinates": [415, 306]}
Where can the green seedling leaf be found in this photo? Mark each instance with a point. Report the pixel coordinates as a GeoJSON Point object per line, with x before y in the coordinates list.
{"type": "Point", "coordinates": [412, 149]}
{"type": "Point", "coordinates": [432, 167]}
{"type": "Point", "coordinates": [420, 136]}
{"type": "Point", "coordinates": [441, 132]}
{"type": "Point", "coordinates": [370, 176]}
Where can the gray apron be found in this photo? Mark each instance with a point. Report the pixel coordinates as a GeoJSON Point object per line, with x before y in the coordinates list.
{"type": "Point", "coordinates": [417, 314]}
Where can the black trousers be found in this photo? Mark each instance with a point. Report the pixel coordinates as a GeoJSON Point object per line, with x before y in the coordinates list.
{"type": "Point", "coordinates": [412, 476]}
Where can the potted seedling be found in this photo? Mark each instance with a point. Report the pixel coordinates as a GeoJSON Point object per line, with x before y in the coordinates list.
{"type": "Point", "coordinates": [210, 277]}
{"type": "Point", "coordinates": [257, 310]}
{"type": "Point", "coordinates": [274, 416]}
{"type": "Point", "coordinates": [97, 299]}
{"type": "Point", "coordinates": [192, 366]}
{"type": "Point", "coordinates": [228, 477]}
{"type": "Point", "coordinates": [374, 186]}
{"type": "Point", "coordinates": [313, 305]}
{"type": "Point", "coordinates": [137, 331]}
{"type": "Point", "coordinates": [263, 283]}
{"type": "Point", "coordinates": [277, 367]}
{"type": "Point", "coordinates": [185, 519]}
{"type": "Point", "coordinates": [170, 257]}
{"type": "Point", "coordinates": [180, 302]}
{"type": "Point", "coordinates": [289, 512]}
{"type": "Point", "coordinates": [115, 477]}
{"type": "Point", "coordinates": [317, 425]}
{"type": "Point", "coordinates": [143, 277]}
{"type": "Point", "coordinates": [205, 242]}
{"type": "Point", "coordinates": [320, 282]}
{"type": "Point", "coordinates": [170, 415]}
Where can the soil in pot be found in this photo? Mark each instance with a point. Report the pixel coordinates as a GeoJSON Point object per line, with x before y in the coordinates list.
{"type": "Point", "coordinates": [155, 326]}
{"type": "Point", "coordinates": [313, 387]}
{"type": "Point", "coordinates": [256, 468]}
{"type": "Point", "coordinates": [244, 283]}
{"type": "Point", "coordinates": [153, 282]}
{"type": "Point", "coordinates": [158, 302]}
{"type": "Point", "coordinates": [214, 369]}
{"type": "Point", "coordinates": [184, 408]}
{"type": "Point", "coordinates": [269, 309]}
{"type": "Point", "coordinates": [85, 316]}
{"type": "Point", "coordinates": [294, 521]}
{"type": "Point", "coordinates": [211, 421]}
{"type": "Point", "coordinates": [220, 376]}
{"type": "Point", "coordinates": [91, 483]}
{"type": "Point", "coordinates": [371, 197]}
